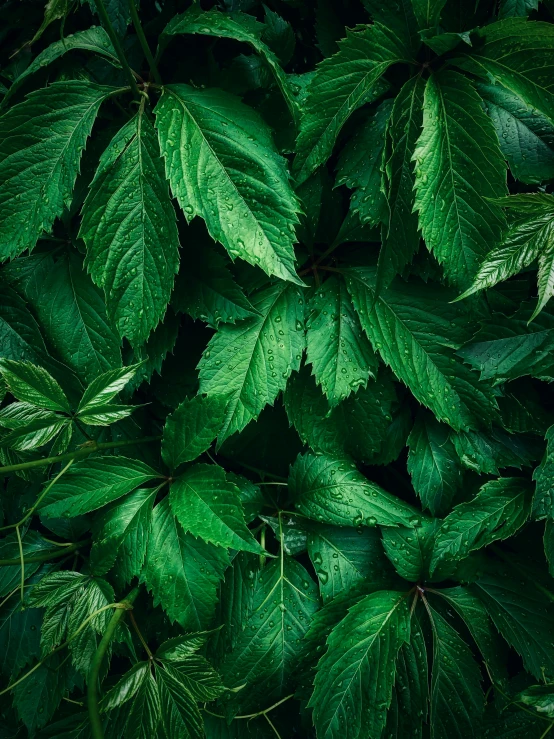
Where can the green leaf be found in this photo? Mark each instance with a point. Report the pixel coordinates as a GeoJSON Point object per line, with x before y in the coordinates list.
{"type": "Point", "coordinates": [459, 169]}
{"type": "Point", "coordinates": [457, 700]}
{"type": "Point", "coordinates": [19, 635]}
{"type": "Point", "coordinates": [250, 208]}
{"type": "Point", "coordinates": [198, 676]}
{"type": "Point", "coordinates": [104, 415]}
{"type": "Point", "coordinates": [427, 12]}
{"type": "Point", "coordinates": [511, 8]}
{"type": "Point", "coordinates": [41, 141]}
{"type": "Point", "coordinates": [56, 587]}
{"type": "Point", "coordinates": [488, 453]}
{"type": "Point", "coordinates": [517, 54]}
{"type": "Point", "coordinates": [37, 698]}
{"type": "Point", "coordinates": [126, 687]}
{"type": "Point", "coordinates": [540, 698]}
{"type": "Point", "coordinates": [342, 558]}
{"type": "Point", "coordinates": [526, 137]}
{"type": "Point", "coordinates": [414, 336]}
{"type": "Point", "coordinates": [339, 353]}
{"type": "Point", "coordinates": [97, 594]}
{"type": "Point", "coordinates": [250, 362]}
{"type": "Point", "coordinates": [180, 714]}
{"type": "Point", "coordinates": [34, 385]}
{"type": "Point", "coordinates": [359, 166]}
{"type": "Point", "coordinates": [208, 505]}
{"type": "Point", "coordinates": [190, 429]}
{"type": "Point", "coordinates": [118, 13]}
{"type": "Point", "coordinates": [207, 291]}
{"type": "Point", "coordinates": [53, 10]}
{"type": "Point", "coordinates": [121, 535]}
{"type": "Point", "coordinates": [332, 491]}
{"type": "Point", "coordinates": [279, 35]}
{"type": "Point", "coordinates": [32, 544]}
{"type": "Point", "coordinates": [543, 502]}
{"type": "Point", "coordinates": [433, 464]}
{"type": "Point", "coordinates": [241, 27]}
{"type": "Point", "coordinates": [498, 510]}
{"type": "Point", "coordinates": [401, 231]}
{"type": "Point", "coordinates": [341, 84]}
{"type": "Point", "coordinates": [284, 599]}
{"type": "Point", "coordinates": [141, 715]}
{"type": "Point", "coordinates": [35, 433]}
{"type": "Point", "coordinates": [410, 549]}
{"type": "Point", "coordinates": [182, 572]}
{"type": "Point", "coordinates": [93, 39]}
{"type": "Point", "coordinates": [94, 483]}
{"type": "Point", "coordinates": [523, 614]}
{"type": "Point", "coordinates": [355, 677]}
{"type": "Point", "coordinates": [105, 387]}
{"type": "Point", "coordinates": [135, 255]}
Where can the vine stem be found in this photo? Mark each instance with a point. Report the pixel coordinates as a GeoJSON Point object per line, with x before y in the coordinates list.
{"type": "Point", "coordinates": [140, 636]}
{"type": "Point", "coordinates": [116, 43]}
{"type": "Point", "coordinates": [96, 664]}
{"type": "Point", "coordinates": [143, 42]}
{"type": "Point", "coordinates": [62, 552]}
{"type": "Point", "coordinates": [253, 715]}
{"type": "Point", "coordinates": [84, 451]}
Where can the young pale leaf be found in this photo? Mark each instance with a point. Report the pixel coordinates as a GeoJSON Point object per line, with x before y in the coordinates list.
{"type": "Point", "coordinates": [337, 349]}
{"type": "Point", "coordinates": [355, 677]}
{"type": "Point", "coordinates": [401, 230]}
{"type": "Point", "coordinates": [332, 491]}
{"type": "Point", "coordinates": [41, 141]}
{"type": "Point", "coordinates": [208, 505]}
{"type": "Point", "coordinates": [410, 549]}
{"type": "Point", "coordinates": [413, 327]}
{"type": "Point", "coordinates": [265, 654]}
{"type": "Point", "coordinates": [180, 714]}
{"type": "Point", "coordinates": [105, 387]}
{"type": "Point", "coordinates": [250, 362]}
{"type": "Point", "coordinates": [359, 166]}
{"type": "Point", "coordinates": [133, 256]}
{"type": "Point", "coordinates": [249, 207]}
{"type": "Point", "coordinates": [457, 700]}
{"type": "Point", "coordinates": [34, 385]}
{"type": "Point", "coordinates": [121, 535]}
{"type": "Point", "coordinates": [190, 429]}
{"type": "Point", "coordinates": [182, 572]}
{"type": "Point", "coordinates": [341, 84]}
{"type": "Point", "coordinates": [498, 510]}
{"type": "Point", "coordinates": [94, 483]}
{"type": "Point", "coordinates": [433, 464]}
{"type": "Point", "coordinates": [459, 170]}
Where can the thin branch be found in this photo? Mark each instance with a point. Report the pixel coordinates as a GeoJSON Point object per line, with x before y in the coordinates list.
{"type": "Point", "coordinates": [21, 561]}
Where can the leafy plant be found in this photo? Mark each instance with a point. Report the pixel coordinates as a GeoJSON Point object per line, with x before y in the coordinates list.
{"type": "Point", "coordinates": [276, 430]}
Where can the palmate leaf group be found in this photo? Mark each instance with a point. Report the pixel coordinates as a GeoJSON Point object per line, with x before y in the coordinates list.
{"type": "Point", "coordinates": [276, 338]}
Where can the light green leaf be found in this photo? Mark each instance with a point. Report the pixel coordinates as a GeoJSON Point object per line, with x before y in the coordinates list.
{"type": "Point", "coordinates": [249, 207]}
{"type": "Point", "coordinates": [413, 327]}
{"type": "Point", "coordinates": [433, 464]}
{"type": "Point", "coordinates": [35, 433]}
{"type": "Point", "coordinates": [208, 505]}
{"type": "Point", "coordinates": [250, 362]}
{"type": "Point", "coordinates": [332, 491]}
{"type": "Point", "coordinates": [498, 510]}
{"type": "Point", "coordinates": [182, 572]}
{"type": "Point", "coordinates": [539, 698]}
{"type": "Point", "coordinates": [32, 384]}
{"type": "Point", "coordinates": [41, 141]}
{"type": "Point", "coordinates": [104, 415]}
{"type": "Point", "coordinates": [337, 349]}
{"type": "Point", "coordinates": [355, 677]}
{"type": "Point", "coordinates": [133, 255]}
{"type": "Point", "coordinates": [190, 429]}
{"type": "Point", "coordinates": [459, 169]}
{"type": "Point", "coordinates": [342, 83]}
{"type": "Point", "coordinates": [94, 483]}
{"type": "Point", "coordinates": [105, 387]}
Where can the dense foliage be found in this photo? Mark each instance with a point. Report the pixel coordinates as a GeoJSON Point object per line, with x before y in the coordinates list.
{"type": "Point", "coordinates": [276, 341]}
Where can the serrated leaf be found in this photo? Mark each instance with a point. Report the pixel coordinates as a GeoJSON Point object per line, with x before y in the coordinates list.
{"type": "Point", "coordinates": [97, 594]}
{"type": "Point", "coordinates": [413, 327]}
{"type": "Point", "coordinates": [283, 602]}
{"type": "Point", "coordinates": [427, 12]}
{"type": "Point", "coordinates": [41, 141]}
{"type": "Point", "coordinates": [32, 384]}
{"type": "Point", "coordinates": [338, 351]}
{"type": "Point", "coordinates": [332, 491]}
{"type": "Point", "coordinates": [355, 677]}
{"type": "Point", "coordinates": [182, 572]}
{"type": "Point", "coordinates": [514, 8]}
{"type": "Point", "coordinates": [191, 428]}
{"type": "Point", "coordinates": [433, 464]}
{"type": "Point", "coordinates": [121, 536]}
{"type": "Point", "coordinates": [543, 502]}
{"type": "Point", "coordinates": [19, 635]}
{"type": "Point", "coordinates": [94, 483]}
{"type": "Point", "coordinates": [37, 698]}
{"type": "Point", "coordinates": [180, 714]}
{"type": "Point", "coordinates": [35, 433]}
{"type": "Point", "coordinates": [118, 13]}
{"type": "Point", "coordinates": [198, 676]}
{"type": "Point", "coordinates": [135, 256]}
{"type": "Point", "coordinates": [105, 387]}
{"type": "Point", "coordinates": [457, 700]}
{"type": "Point", "coordinates": [32, 544]}
{"type": "Point", "coordinates": [539, 698]}
{"type": "Point", "coordinates": [498, 510]}
{"type": "Point", "coordinates": [341, 84]}
{"type": "Point", "coordinates": [56, 587]}
{"type": "Point", "coordinates": [489, 452]}
{"type": "Point", "coordinates": [141, 714]}
{"type": "Point", "coordinates": [249, 362]}
{"type": "Point", "coordinates": [459, 170]}
{"type": "Point", "coordinates": [410, 549]}
{"type": "Point", "coordinates": [104, 415]}
{"type": "Point", "coordinates": [250, 209]}
{"type": "Point", "coordinates": [208, 505]}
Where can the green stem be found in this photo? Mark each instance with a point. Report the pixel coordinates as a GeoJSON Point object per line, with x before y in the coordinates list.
{"type": "Point", "coordinates": [21, 562]}
{"type": "Point", "coordinates": [84, 451]}
{"type": "Point", "coordinates": [143, 42]}
{"type": "Point", "coordinates": [96, 665]}
{"type": "Point", "coordinates": [116, 43]}
{"type": "Point", "coordinates": [45, 557]}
